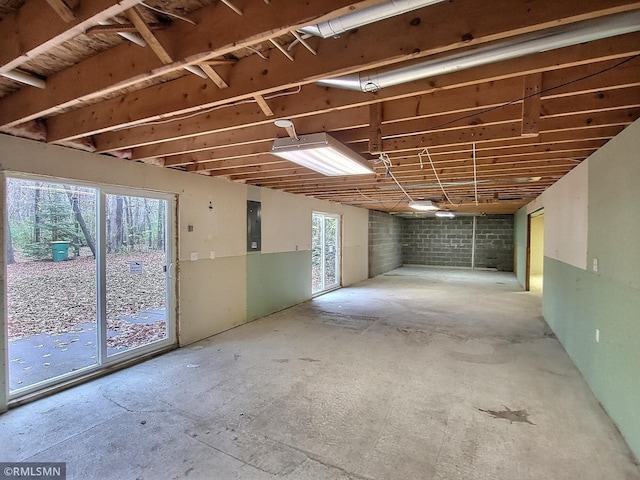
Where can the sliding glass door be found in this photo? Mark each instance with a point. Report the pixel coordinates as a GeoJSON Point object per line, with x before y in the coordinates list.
{"type": "Point", "coordinates": [51, 281]}
{"type": "Point", "coordinates": [136, 272]}
{"type": "Point", "coordinates": [325, 252]}
{"type": "Point", "coordinates": [87, 279]}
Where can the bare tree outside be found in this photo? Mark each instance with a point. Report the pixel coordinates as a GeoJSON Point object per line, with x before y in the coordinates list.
{"type": "Point", "coordinates": [52, 282]}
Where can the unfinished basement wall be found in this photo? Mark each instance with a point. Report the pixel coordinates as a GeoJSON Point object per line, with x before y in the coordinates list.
{"type": "Point", "coordinates": [279, 275]}
{"type": "Point", "coordinates": [385, 242]}
{"type": "Point", "coordinates": [212, 293]}
{"type": "Point", "coordinates": [591, 295]}
{"type": "Point", "coordinates": [445, 242]}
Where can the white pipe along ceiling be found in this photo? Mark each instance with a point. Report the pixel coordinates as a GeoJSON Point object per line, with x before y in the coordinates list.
{"type": "Point", "coordinates": [336, 26]}
{"type": "Point", "coordinates": [538, 42]}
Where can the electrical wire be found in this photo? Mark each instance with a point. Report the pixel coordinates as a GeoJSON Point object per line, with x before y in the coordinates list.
{"type": "Point", "coordinates": [475, 173]}
{"type": "Point", "coordinates": [257, 52]}
{"type": "Point", "coordinates": [433, 167]}
{"type": "Point", "coordinates": [169, 14]}
{"type": "Point", "coordinates": [283, 94]}
{"type": "Point", "coordinates": [506, 104]}
{"type": "Point", "coordinates": [212, 109]}
{"type": "Point", "coordinates": [373, 199]}
{"type": "Point", "coordinates": [387, 163]}
{"type": "Point", "coordinates": [531, 95]}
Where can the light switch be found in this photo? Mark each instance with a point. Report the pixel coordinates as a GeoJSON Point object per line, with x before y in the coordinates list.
{"type": "Point", "coordinates": [595, 264]}
{"type": "Point", "coordinates": [212, 254]}
{"type": "Point", "coordinates": [194, 256]}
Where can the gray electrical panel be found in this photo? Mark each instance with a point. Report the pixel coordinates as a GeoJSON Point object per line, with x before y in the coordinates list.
{"type": "Point", "coordinates": [254, 229]}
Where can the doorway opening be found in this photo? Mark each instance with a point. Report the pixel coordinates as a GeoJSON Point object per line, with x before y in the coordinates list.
{"type": "Point", "coordinates": [325, 250]}
{"type": "Point", "coordinates": [87, 278]}
{"type": "Point", "coordinates": [535, 274]}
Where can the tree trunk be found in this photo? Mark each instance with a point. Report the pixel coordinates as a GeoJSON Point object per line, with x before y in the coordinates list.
{"type": "Point", "coordinates": [80, 219]}
{"type": "Point", "coordinates": [11, 259]}
{"type": "Point", "coordinates": [130, 226]}
{"type": "Point", "coordinates": [161, 225]}
{"type": "Point", "coordinates": [147, 223]}
{"type": "Point", "coordinates": [117, 226]}
{"type": "Point", "coordinates": [36, 214]}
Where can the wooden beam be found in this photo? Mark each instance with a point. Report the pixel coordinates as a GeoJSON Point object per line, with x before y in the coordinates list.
{"type": "Point", "coordinates": [30, 31]}
{"type": "Point", "coordinates": [232, 6]}
{"type": "Point", "coordinates": [436, 34]}
{"type": "Point", "coordinates": [281, 48]}
{"type": "Point", "coordinates": [65, 12]}
{"type": "Point", "coordinates": [224, 153]}
{"type": "Point", "coordinates": [264, 106]}
{"type": "Point", "coordinates": [135, 17]}
{"type": "Point", "coordinates": [338, 122]}
{"type": "Point", "coordinates": [36, 33]}
{"type": "Point", "coordinates": [313, 100]}
{"type": "Point", "coordinates": [256, 154]}
{"type": "Point", "coordinates": [375, 128]}
{"type": "Point", "coordinates": [120, 28]}
{"type": "Point", "coordinates": [213, 75]}
{"type": "Point", "coordinates": [593, 102]}
{"type": "Point", "coordinates": [531, 105]}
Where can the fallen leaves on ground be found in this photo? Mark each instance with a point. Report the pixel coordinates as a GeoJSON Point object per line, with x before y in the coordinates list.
{"type": "Point", "coordinates": [134, 334]}
{"type": "Point", "coordinates": [58, 297]}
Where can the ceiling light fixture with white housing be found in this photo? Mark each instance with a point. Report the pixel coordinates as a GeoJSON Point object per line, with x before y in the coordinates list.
{"type": "Point", "coordinates": [423, 205]}
{"type": "Point", "coordinates": [322, 153]}
{"type": "Point", "coordinates": [445, 214]}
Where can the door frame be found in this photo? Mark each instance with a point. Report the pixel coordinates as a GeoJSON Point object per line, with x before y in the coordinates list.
{"type": "Point", "coordinates": [105, 364]}
{"type": "Point", "coordinates": [535, 213]}
{"type": "Point", "coordinates": [339, 264]}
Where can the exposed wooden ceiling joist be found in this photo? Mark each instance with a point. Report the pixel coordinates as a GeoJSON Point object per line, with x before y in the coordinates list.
{"type": "Point", "coordinates": [443, 30]}
{"type": "Point", "coordinates": [106, 72]}
{"type": "Point", "coordinates": [36, 28]}
{"type": "Point", "coordinates": [530, 120]}
{"type": "Point", "coordinates": [314, 100]}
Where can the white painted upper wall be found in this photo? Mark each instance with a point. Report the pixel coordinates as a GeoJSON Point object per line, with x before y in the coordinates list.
{"type": "Point", "coordinates": [286, 227]}
{"type": "Point", "coordinates": [222, 229]}
{"type": "Point", "coordinates": [212, 293]}
{"type": "Point", "coordinates": [565, 217]}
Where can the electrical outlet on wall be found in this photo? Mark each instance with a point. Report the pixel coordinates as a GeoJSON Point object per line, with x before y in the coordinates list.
{"type": "Point", "coordinates": [595, 264]}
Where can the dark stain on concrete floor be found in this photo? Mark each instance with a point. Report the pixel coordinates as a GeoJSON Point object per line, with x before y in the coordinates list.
{"type": "Point", "coordinates": [521, 416]}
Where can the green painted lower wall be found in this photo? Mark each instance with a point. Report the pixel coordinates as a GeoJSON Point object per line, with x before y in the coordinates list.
{"type": "Point", "coordinates": [276, 281]}
{"type": "Point", "coordinates": [520, 242]}
{"type": "Point", "coordinates": [576, 303]}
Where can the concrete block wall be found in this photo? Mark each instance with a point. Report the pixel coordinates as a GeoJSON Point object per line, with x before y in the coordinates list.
{"type": "Point", "coordinates": [494, 242]}
{"type": "Point", "coordinates": [449, 242]}
{"type": "Point", "coordinates": [385, 242]}
{"type": "Point", "coordinates": [438, 242]}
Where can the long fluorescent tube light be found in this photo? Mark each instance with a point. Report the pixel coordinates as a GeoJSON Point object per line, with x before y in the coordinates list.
{"type": "Point", "coordinates": [445, 214]}
{"type": "Point", "coordinates": [423, 205]}
{"type": "Point", "coordinates": [322, 153]}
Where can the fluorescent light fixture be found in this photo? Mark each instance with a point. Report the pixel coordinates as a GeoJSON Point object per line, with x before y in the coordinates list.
{"type": "Point", "coordinates": [423, 205]}
{"type": "Point", "coordinates": [322, 153]}
{"type": "Point", "coordinates": [445, 214]}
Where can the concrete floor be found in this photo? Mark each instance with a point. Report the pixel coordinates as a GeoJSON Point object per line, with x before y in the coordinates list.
{"type": "Point", "coordinates": [416, 374]}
